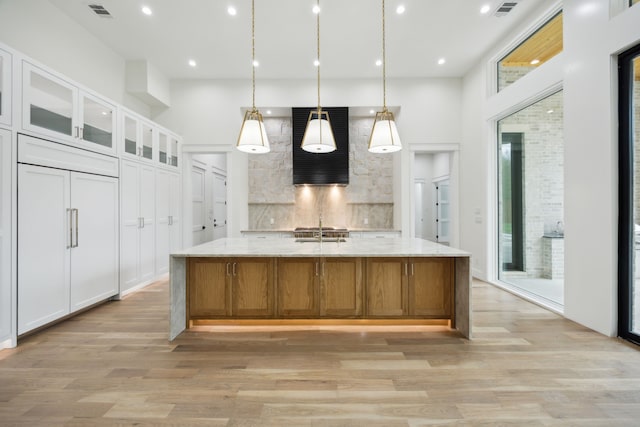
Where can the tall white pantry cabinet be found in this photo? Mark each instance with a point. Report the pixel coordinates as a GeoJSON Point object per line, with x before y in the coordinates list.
{"type": "Point", "coordinates": [89, 208]}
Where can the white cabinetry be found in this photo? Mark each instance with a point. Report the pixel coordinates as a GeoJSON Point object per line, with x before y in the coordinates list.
{"type": "Point", "coordinates": [168, 232]}
{"type": "Point", "coordinates": [57, 108]}
{"type": "Point", "coordinates": [5, 88]}
{"type": "Point", "coordinates": [168, 150]}
{"type": "Point", "coordinates": [6, 310]}
{"type": "Point", "coordinates": [137, 141]}
{"type": "Point", "coordinates": [137, 255]}
{"type": "Point", "coordinates": [68, 243]}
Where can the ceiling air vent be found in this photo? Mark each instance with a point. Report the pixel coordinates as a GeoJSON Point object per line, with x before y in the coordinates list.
{"type": "Point", "coordinates": [100, 11]}
{"type": "Point", "coordinates": [505, 8]}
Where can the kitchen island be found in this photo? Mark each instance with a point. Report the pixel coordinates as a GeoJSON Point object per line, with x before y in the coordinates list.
{"type": "Point", "coordinates": [392, 280]}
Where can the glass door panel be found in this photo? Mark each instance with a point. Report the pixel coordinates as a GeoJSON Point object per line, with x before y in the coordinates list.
{"type": "Point", "coordinates": [50, 103]}
{"type": "Point", "coordinates": [130, 136]}
{"type": "Point", "coordinates": [97, 122]}
{"type": "Point", "coordinates": [163, 146]}
{"type": "Point", "coordinates": [147, 142]}
{"type": "Point", "coordinates": [175, 152]}
{"type": "Point", "coordinates": [629, 181]}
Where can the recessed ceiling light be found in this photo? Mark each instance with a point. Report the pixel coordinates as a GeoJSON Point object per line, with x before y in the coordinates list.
{"type": "Point", "coordinates": [256, 63]}
{"type": "Point", "coordinates": [192, 63]}
{"type": "Point", "coordinates": [535, 62]}
{"type": "Point", "coordinates": [485, 9]}
{"type": "Point", "coordinates": [104, 113]}
{"type": "Point", "coordinates": [268, 111]}
{"type": "Point", "coordinates": [378, 62]}
{"type": "Point", "coordinates": [146, 10]}
{"type": "Point", "coordinates": [441, 61]}
{"type": "Point", "coordinates": [400, 9]}
{"type": "Point", "coordinates": [316, 9]}
{"type": "Point", "coordinates": [549, 111]}
{"type": "Point", "coordinates": [232, 11]}
{"type": "Point", "coordinates": [316, 63]}
{"type": "Point", "coordinates": [372, 111]}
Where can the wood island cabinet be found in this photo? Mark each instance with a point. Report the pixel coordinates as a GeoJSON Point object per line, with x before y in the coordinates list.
{"type": "Point", "coordinates": [320, 287]}
{"type": "Point", "coordinates": [413, 287]}
{"type": "Point", "coordinates": [231, 287]}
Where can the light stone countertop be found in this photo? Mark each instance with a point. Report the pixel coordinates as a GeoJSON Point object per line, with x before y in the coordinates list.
{"type": "Point", "coordinates": [285, 247]}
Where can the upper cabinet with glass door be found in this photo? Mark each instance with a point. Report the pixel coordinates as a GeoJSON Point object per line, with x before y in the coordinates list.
{"type": "Point", "coordinates": [5, 88]}
{"type": "Point", "coordinates": [168, 149]}
{"type": "Point", "coordinates": [56, 108]}
{"type": "Point", "coordinates": [138, 138]}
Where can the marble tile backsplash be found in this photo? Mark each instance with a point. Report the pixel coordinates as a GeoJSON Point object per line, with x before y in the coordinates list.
{"type": "Point", "coordinates": [367, 202]}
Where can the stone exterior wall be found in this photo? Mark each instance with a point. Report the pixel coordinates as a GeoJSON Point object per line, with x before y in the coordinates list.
{"type": "Point", "coordinates": [273, 197]}
{"type": "Point", "coordinates": [508, 75]}
{"type": "Point", "coordinates": [543, 163]}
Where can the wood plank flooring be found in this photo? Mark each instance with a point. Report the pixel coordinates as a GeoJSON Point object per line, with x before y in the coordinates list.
{"type": "Point", "coordinates": [525, 367]}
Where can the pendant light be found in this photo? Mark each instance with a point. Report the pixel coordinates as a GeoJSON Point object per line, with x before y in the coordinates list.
{"type": "Point", "coordinates": [318, 136]}
{"type": "Point", "coordinates": [253, 136]}
{"type": "Point", "coordinates": [384, 135]}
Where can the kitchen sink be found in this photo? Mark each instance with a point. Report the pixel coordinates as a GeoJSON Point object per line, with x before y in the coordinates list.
{"type": "Point", "coordinates": [324, 239]}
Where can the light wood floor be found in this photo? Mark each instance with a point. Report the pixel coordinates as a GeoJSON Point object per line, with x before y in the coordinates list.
{"type": "Point", "coordinates": [525, 367]}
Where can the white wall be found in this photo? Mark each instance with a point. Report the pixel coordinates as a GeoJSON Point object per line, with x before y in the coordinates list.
{"type": "Point", "coordinates": [207, 113]}
{"type": "Point", "coordinates": [586, 71]}
{"type": "Point", "coordinates": [38, 29]}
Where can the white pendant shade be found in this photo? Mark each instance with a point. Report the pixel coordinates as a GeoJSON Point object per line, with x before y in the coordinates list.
{"type": "Point", "coordinates": [318, 136]}
{"type": "Point", "coordinates": [384, 135]}
{"type": "Point", "coordinates": [253, 135]}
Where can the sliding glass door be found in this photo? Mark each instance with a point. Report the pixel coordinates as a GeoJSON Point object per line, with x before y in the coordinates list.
{"type": "Point", "coordinates": [629, 181]}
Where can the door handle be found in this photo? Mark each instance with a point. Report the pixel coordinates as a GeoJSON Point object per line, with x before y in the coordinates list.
{"type": "Point", "coordinates": [170, 220]}
{"type": "Point", "coordinates": [70, 241]}
{"type": "Point", "coordinates": [228, 274]}
{"type": "Point", "coordinates": [203, 227]}
{"type": "Point", "coordinates": [234, 269]}
{"type": "Point", "coordinates": [77, 233]}
{"type": "Point", "coordinates": [77, 131]}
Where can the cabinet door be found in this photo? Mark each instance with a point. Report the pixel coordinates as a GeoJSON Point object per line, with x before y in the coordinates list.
{"type": "Point", "coordinates": [431, 287]}
{"type": "Point", "coordinates": [175, 212]}
{"type": "Point", "coordinates": [130, 146]}
{"type": "Point", "coordinates": [164, 157]}
{"type": "Point", "coordinates": [148, 146]}
{"type": "Point", "coordinates": [162, 221]}
{"type": "Point", "coordinates": [6, 309]}
{"type": "Point", "coordinates": [44, 233]}
{"type": "Point", "coordinates": [252, 287]}
{"type": "Point", "coordinates": [147, 231]}
{"type": "Point", "coordinates": [94, 255]}
{"type": "Point", "coordinates": [341, 287]}
{"type": "Point", "coordinates": [49, 104]}
{"type": "Point", "coordinates": [298, 287]}
{"type": "Point", "coordinates": [174, 149]}
{"type": "Point", "coordinates": [5, 87]}
{"type": "Point", "coordinates": [209, 288]}
{"type": "Point", "coordinates": [98, 123]}
{"type": "Point", "coordinates": [386, 287]}
{"type": "Point", "coordinates": [130, 225]}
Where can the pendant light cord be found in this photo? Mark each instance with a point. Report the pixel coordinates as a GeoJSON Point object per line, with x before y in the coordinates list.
{"type": "Point", "coordinates": [384, 63]}
{"type": "Point", "coordinates": [318, 50]}
{"type": "Point", "coordinates": [253, 54]}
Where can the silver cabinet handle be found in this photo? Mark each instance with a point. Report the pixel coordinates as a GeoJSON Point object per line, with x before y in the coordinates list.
{"type": "Point", "coordinates": [406, 272]}
{"type": "Point", "coordinates": [77, 233]}
{"type": "Point", "coordinates": [70, 242]}
{"type": "Point", "coordinates": [412, 269]}
{"type": "Point", "coordinates": [142, 218]}
{"type": "Point", "coordinates": [322, 270]}
{"type": "Point", "coordinates": [170, 219]}
{"type": "Point", "coordinates": [234, 269]}
{"type": "Point", "coordinates": [81, 133]}
{"type": "Point", "coordinates": [316, 268]}
{"type": "Point", "coordinates": [228, 274]}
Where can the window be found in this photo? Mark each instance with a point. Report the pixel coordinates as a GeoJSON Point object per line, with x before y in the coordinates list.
{"type": "Point", "coordinates": [540, 47]}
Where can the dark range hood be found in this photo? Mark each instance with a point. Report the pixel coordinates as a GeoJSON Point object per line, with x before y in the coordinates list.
{"type": "Point", "coordinates": [321, 169]}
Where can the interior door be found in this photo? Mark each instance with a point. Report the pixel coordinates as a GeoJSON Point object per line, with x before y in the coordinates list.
{"type": "Point", "coordinates": [6, 310]}
{"type": "Point", "coordinates": [219, 206]}
{"type": "Point", "coordinates": [419, 211]}
{"type": "Point", "coordinates": [94, 257]}
{"type": "Point", "coordinates": [443, 222]}
{"type": "Point", "coordinates": [198, 198]}
{"type": "Point", "coordinates": [44, 233]}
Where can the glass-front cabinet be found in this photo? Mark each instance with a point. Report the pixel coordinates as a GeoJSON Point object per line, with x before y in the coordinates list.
{"type": "Point", "coordinates": [56, 108]}
{"type": "Point", "coordinates": [137, 138]}
{"type": "Point", "coordinates": [5, 88]}
{"type": "Point", "coordinates": [168, 149]}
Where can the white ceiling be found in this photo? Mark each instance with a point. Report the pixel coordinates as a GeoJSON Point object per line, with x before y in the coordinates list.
{"type": "Point", "coordinates": [285, 35]}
